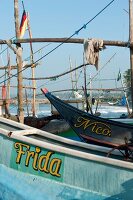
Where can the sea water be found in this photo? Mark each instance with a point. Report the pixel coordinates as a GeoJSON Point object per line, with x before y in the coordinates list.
{"type": "Point", "coordinates": [15, 185]}
{"type": "Point", "coordinates": [45, 110]}
{"type": "Point", "coordinates": [41, 110]}
{"type": "Point", "coordinates": [112, 111]}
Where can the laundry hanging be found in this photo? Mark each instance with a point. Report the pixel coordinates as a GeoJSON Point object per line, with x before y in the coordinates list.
{"type": "Point", "coordinates": [91, 51]}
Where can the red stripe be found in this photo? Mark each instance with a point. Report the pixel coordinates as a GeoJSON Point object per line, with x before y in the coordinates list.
{"type": "Point", "coordinates": [24, 17]}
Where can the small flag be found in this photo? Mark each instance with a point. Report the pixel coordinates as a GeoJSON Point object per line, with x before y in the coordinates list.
{"type": "Point", "coordinates": [119, 76]}
{"type": "Point", "coordinates": [23, 24]}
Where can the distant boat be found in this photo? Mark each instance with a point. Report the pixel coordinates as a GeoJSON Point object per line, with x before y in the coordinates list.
{"type": "Point", "coordinates": [122, 102]}
{"type": "Point", "coordinates": [113, 103]}
{"type": "Point", "coordinates": [77, 95]}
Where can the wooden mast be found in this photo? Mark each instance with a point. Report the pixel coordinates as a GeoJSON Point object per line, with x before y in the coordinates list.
{"type": "Point", "coordinates": [33, 68]}
{"type": "Point", "coordinates": [71, 74]}
{"type": "Point", "coordinates": [131, 48]}
{"type": "Point", "coordinates": [19, 64]}
{"type": "Point", "coordinates": [88, 107]}
{"type": "Point", "coordinates": [8, 82]}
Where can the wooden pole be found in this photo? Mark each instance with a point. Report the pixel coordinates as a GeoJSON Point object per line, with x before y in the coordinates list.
{"type": "Point", "coordinates": [26, 98]}
{"type": "Point", "coordinates": [88, 107]}
{"type": "Point", "coordinates": [32, 67]}
{"type": "Point", "coordinates": [9, 73]}
{"type": "Point", "coordinates": [131, 48]}
{"type": "Point", "coordinates": [76, 78]}
{"type": "Point", "coordinates": [66, 40]}
{"type": "Point", "coordinates": [15, 66]}
{"type": "Point", "coordinates": [19, 63]}
{"type": "Point", "coordinates": [8, 82]}
{"type": "Point", "coordinates": [71, 74]}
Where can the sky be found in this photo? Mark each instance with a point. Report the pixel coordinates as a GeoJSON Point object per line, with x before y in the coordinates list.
{"type": "Point", "coordinates": [60, 18]}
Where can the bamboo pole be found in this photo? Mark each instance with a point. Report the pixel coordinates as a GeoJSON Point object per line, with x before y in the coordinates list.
{"type": "Point", "coordinates": [66, 40]}
{"type": "Point", "coordinates": [76, 77]}
{"type": "Point", "coordinates": [8, 82]}
{"type": "Point", "coordinates": [93, 89]}
{"type": "Point", "coordinates": [14, 86]}
{"type": "Point", "coordinates": [26, 98]}
{"type": "Point", "coordinates": [9, 73]}
{"type": "Point", "coordinates": [88, 107]}
{"type": "Point", "coordinates": [20, 64]}
{"type": "Point", "coordinates": [32, 67]}
{"type": "Point", "coordinates": [131, 48]}
{"type": "Point", "coordinates": [71, 74]}
{"type": "Point", "coordinates": [71, 40]}
{"type": "Point", "coordinates": [15, 66]}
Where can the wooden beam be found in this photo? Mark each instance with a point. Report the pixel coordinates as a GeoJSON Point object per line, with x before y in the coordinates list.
{"type": "Point", "coordinates": [27, 87]}
{"type": "Point", "coordinates": [66, 40]}
{"type": "Point", "coordinates": [88, 89]}
{"type": "Point", "coordinates": [72, 40]}
{"type": "Point", "coordinates": [15, 66]}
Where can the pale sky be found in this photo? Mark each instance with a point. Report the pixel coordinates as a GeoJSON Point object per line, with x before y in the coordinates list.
{"type": "Point", "coordinates": [60, 18]}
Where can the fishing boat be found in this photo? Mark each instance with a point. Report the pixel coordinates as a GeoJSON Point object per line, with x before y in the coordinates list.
{"type": "Point", "coordinates": [93, 129]}
{"type": "Point", "coordinates": [40, 122]}
{"type": "Point", "coordinates": [39, 156]}
{"type": "Point", "coordinates": [113, 103]}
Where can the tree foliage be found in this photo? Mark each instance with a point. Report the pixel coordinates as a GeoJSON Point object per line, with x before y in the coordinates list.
{"type": "Point", "coordinates": [127, 80]}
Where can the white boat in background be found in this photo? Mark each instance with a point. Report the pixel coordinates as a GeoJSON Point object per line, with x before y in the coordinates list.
{"type": "Point", "coordinates": [77, 95]}
{"type": "Point", "coordinates": [113, 103]}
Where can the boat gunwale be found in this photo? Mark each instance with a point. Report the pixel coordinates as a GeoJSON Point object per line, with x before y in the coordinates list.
{"type": "Point", "coordinates": [66, 150]}
{"type": "Point", "coordinates": [85, 114]}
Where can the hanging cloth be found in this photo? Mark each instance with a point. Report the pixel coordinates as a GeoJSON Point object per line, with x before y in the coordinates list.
{"type": "Point", "coordinates": [91, 51]}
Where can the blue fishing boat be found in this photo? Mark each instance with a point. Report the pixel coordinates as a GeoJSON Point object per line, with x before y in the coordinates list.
{"type": "Point", "coordinates": [41, 157]}
{"type": "Point", "coordinates": [93, 129]}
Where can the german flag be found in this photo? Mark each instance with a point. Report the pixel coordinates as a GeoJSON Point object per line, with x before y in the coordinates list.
{"type": "Point", "coordinates": [23, 24]}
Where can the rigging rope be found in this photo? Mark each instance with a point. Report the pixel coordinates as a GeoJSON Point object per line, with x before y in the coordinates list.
{"type": "Point", "coordinates": [75, 33]}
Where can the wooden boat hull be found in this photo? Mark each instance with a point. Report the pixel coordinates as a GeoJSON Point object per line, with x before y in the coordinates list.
{"type": "Point", "coordinates": [56, 126]}
{"type": "Point", "coordinates": [92, 128]}
{"type": "Point", "coordinates": [45, 156]}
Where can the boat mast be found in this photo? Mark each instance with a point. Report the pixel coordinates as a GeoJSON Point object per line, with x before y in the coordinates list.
{"type": "Point", "coordinates": [33, 69]}
{"type": "Point", "coordinates": [72, 82]}
{"type": "Point", "coordinates": [131, 48]}
{"type": "Point", "coordinates": [19, 64]}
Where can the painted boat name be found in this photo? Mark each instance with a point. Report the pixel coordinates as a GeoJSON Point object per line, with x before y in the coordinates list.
{"type": "Point", "coordinates": [42, 162]}
{"type": "Point", "coordinates": [96, 127]}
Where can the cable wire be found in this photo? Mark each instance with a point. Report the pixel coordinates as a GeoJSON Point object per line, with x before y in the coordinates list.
{"type": "Point", "coordinates": [75, 33]}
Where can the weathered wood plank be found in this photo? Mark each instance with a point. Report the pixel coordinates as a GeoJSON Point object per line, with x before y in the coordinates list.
{"type": "Point", "coordinates": [66, 40]}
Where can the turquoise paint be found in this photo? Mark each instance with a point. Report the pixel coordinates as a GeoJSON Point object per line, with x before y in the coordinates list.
{"type": "Point", "coordinates": [16, 185]}
{"type": "Point", "coordinates": [29, 169]}
{"type": "Point", "coordinates": [92, 176]}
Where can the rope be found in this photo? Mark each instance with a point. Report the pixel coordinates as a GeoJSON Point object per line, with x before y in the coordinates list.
{"type": "Point", "coordinates": [75, 33]}
{"type": "Point", "coordinates": [56, 76]}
